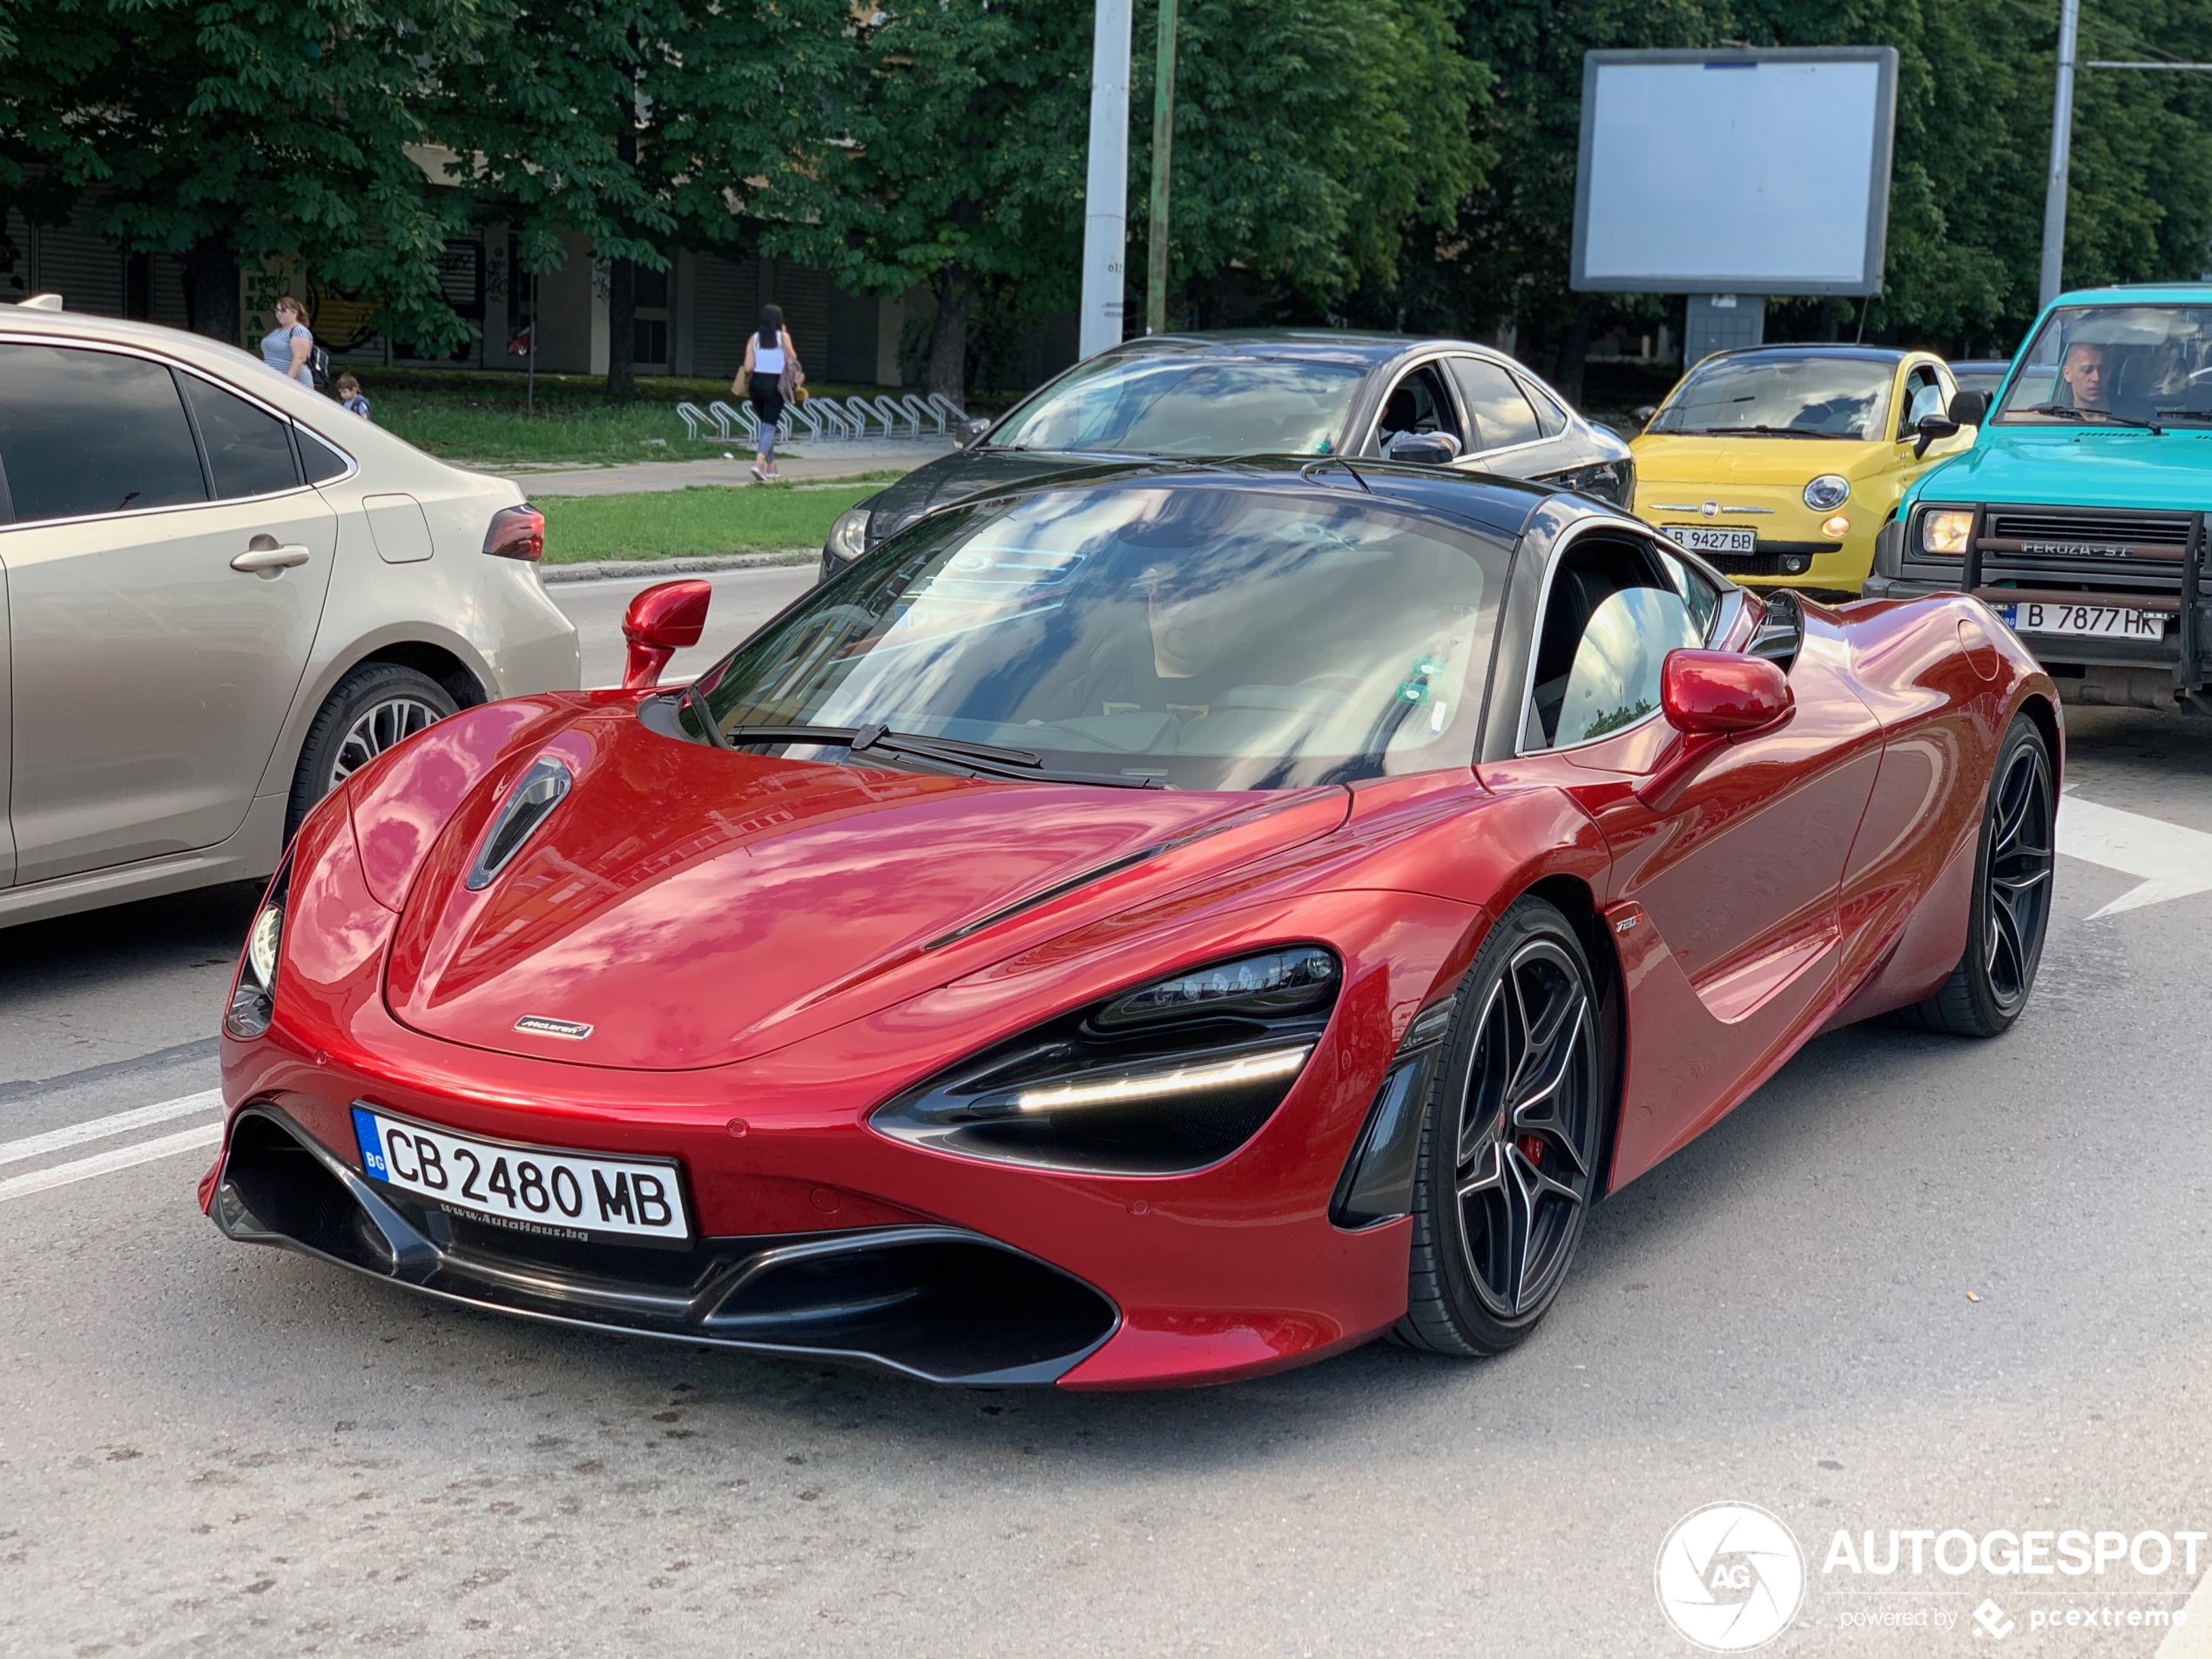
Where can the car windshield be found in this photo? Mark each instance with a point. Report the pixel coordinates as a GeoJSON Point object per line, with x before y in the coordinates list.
{"type": "Point", "coordinates": [1811, 396]}
{"type": "Point", "coordinates": [1188, 403]}
{"type": "Point", "coordinates": [2114, 365]}
{"type": "Point", "coordinates": [1209, 637]}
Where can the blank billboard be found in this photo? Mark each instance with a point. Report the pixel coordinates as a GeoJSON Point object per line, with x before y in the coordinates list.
{"type": "Point", "coordinates": [1734, 171]}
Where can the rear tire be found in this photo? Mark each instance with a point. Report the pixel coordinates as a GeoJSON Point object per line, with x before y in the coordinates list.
{"type": "Point", "coordinates": [2012, 897]}
{"type": "Point", "coordinates": [1508, 1164]}
{"type": "Point", "coordinates": [376, 707]}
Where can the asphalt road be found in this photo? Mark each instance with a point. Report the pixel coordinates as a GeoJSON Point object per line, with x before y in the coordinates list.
{"type": "Point", "coordinates": [1913, 1283]}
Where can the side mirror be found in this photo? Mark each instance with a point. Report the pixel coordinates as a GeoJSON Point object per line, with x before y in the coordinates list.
{"type": "Point", "coordinates": [1426, 449]}
{"type": "Point", "coordinates": [1643, 417]}
{"type": "Point", "coordinates": [1931, 428]}
{"type": "Point", "coordinates": [1969, 408]}
{"type": "Point", "coordinates": [973, 432]}
{"type": "Point", "coordinates": [666, 618]}
{"type": "Point", "coordinates": [1714, 693]}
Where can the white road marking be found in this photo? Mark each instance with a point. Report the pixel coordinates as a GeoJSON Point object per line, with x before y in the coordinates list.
{"type": "Point", "coordinates": [2191, 1636]}
{"type": "Point", "coordinates": [2167, 861]}
{"type": "Point", "coordinates": [98, 1129]}
{"type": "Point", "coordinates": [122, 1158]}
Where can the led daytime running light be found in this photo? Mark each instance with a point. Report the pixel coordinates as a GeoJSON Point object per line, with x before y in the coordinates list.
{"type": "Point", "coordinates": [1227, 1073]}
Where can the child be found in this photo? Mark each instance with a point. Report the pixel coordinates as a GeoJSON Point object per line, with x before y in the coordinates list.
{"type": "Point", "coordinates": [350, 396]}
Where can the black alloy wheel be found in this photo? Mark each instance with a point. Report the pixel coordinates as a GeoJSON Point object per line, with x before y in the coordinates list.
{"type": "Point", "coordinates": [2011, 897]}
{"type": "Point", "coordinates": [376, 707]}
{"type": "Point", "coordinates": [1510, 1148]}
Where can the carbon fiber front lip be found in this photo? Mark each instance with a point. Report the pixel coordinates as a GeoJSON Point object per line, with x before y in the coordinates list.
{"type": "Point", "coordinates": [387, 1244]}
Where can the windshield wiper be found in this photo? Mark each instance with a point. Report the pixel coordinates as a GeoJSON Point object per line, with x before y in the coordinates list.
{"type": "Point", "coordinates": [1762, 431]}
{"type": "Point", "coordinates": [947, 754]}
{"type": "Point", "coordinates": [2069, 412]}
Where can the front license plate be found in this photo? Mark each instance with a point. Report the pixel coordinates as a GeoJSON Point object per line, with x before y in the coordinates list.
{"type": "Point", "coordinates": [2084, 621]}
{"type": "Point", "coordinates": [1707, 538]}
{"type": "Point", "coordinates": [531, 1189]}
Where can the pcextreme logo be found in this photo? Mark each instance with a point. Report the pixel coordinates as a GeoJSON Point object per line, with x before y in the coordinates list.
{"type": "Point", "coordinates": [1731, 1577]}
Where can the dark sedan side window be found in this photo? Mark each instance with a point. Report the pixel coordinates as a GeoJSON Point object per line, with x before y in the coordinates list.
{"type": "Point", "coordinates": [1501, 415]}
{"type": "Point", "coordinates": [248, 450]}
{"type": "Point", "coordinates": [87, 432]}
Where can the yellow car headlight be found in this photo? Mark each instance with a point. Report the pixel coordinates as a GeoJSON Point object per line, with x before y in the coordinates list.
{"type": "Point", "coordinates": [1944, 533]}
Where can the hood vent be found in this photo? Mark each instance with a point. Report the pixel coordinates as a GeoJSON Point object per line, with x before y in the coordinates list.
{"type": "Point", "coordinates": [532, 802]}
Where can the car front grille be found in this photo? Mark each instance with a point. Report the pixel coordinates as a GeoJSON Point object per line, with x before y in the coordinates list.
{"type": "Point", "coordinates": [2040, 535]}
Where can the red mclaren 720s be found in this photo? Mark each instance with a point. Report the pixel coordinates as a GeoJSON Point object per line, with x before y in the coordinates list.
{"type": "Point", "coordinates": [1157, 924]}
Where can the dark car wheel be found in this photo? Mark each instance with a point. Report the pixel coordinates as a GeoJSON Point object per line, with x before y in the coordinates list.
{"type": "Point", "coordinates": [1509, 1151]}
{"type": "Point", "coordinates": [2011, 897]}
{"type": "Point", "coordinates": [373, 707]}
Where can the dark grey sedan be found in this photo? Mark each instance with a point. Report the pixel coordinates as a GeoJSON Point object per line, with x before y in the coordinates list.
{"type": "Point", "coordinates": [1312, 391]}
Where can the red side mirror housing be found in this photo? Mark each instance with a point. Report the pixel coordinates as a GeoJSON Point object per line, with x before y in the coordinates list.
{"type": "Point", "coordinates": [1716, 692]}
{"type": "Point", "coordinates": [666, 618]}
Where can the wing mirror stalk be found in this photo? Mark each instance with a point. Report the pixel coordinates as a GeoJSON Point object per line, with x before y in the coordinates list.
{"type": "Point", "coordinates": [666, 618]}
{"type": "Point", "coordinates": [1712, 697]}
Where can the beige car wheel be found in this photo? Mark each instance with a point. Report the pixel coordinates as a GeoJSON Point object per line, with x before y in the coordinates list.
{"type": "Point", "coordinates": [377, 706]}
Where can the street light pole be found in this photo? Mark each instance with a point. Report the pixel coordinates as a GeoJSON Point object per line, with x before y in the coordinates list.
{"type": "Point", "coordinates": [1106, 197]}
{"type": "Point", "coordinates": [2061, 147]}
{"type": "Point", "coordinates": [1155, 283]}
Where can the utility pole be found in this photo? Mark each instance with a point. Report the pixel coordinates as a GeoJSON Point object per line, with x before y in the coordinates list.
{"type": "Point", "coordinates": [1106, 199]}
{"type": "Point", "coordinates": [1156, 282]}
{"type": "Point", "coordinates": [2061, 148]}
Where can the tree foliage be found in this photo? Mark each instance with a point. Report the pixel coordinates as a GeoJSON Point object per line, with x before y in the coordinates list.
{"type": "Point", "coordinates": [235, 132]}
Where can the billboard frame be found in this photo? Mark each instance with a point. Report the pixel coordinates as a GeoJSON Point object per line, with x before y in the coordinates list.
{"type": "Point", "coordinates": [1878, 196]}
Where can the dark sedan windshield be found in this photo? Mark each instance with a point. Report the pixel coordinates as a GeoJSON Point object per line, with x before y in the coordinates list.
{"type": "Point", "coordinates": [1210, 637]}
{"type": "Point", "coordinates": [1188, 404]}
{"type": "Point", "coordinates": [2123, 365]}
{"type": "Point", "coordinates": [1809, 396]}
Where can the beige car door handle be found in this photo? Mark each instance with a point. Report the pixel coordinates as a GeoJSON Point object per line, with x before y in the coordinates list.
{"type": "Point", "coordinates": [268, 561]}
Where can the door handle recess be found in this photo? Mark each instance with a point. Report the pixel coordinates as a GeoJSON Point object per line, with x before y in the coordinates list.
{"type": "Point", "coordinates": [268, 561]}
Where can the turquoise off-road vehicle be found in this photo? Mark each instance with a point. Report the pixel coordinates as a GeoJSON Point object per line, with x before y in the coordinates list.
{"type": "Point", "coordinates": [2080, 513]}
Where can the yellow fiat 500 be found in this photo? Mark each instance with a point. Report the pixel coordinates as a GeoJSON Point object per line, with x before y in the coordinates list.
{"type": "Point", "coordinates": [1779, 464]}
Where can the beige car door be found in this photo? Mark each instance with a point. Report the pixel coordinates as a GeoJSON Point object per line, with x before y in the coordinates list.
{"type": "Point", "coordinates": [165, 575]}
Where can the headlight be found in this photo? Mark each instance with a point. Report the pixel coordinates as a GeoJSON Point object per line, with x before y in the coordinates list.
{"type": "Point", "coordinates": [848, 537]}
{"type": "Point", "coordinates": [1946, 533]}
{"type": "Point", "coordinates": [1828, 492]}
{"type": "Point", "coordinates": [253, 1000]}
{"type": "Point", "coordinates": [1168, 1077]}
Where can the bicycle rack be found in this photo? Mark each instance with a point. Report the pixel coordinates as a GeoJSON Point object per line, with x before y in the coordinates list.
{"type": "Point", "coordinates": [917, 411]}
{"type": "Point", "coordinates": [744, 422]}
{"type": "Point", "coordinates": [953, 412]}
{"type": "Point", "coordinates": [694, 418]}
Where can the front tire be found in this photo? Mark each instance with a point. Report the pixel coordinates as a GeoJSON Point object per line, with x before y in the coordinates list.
{"type": "Point", "coordinates": [2011, 897]}
{"type": "Point", "coordinates": [374, 707]}
{"type": "Point", "coordinates": [1509, 1153]}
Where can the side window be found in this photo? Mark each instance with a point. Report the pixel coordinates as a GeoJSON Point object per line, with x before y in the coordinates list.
{"type": "Point", "coordinates": [1549, 415]}
{"type": "Point", "coordinates": [1418, 403]}
{"type": "Point", "coordinates": [1923, 396]}
{"type": "Point", "coordinates": [1611, 617]}
{"type": "Point", "coordinates": [86, 432]}
{"type": "Point", "coordinates": [1700, 593]}
{"type": "Point", "coordinates": [1501, 415]}
{"type": "Point", "coordinates": [323, 462]}
{"type": "Point", "coordinates": [249, 452]}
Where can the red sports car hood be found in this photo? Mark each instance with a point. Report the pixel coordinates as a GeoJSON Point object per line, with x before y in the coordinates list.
{"type": "Point", "coordinates": [689, 906]}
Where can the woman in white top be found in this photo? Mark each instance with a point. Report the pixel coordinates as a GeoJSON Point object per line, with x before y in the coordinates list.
{"type": "Point", "coordinates": [770, 374]}
{"type": "Point", "coordinates": [285, 347]}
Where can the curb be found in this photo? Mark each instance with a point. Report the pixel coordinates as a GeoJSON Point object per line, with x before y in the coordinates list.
{"type": "Point", "coordinates": [606, 570]}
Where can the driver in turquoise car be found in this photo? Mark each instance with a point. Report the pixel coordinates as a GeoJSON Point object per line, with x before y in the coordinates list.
{"type": "Point", "coordinates": [2084, 374]}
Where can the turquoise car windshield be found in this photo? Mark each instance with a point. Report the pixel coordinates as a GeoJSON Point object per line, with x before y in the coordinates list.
{"type": "Point", "coordinates": [2115, 365]}
{"type": "Point", "coordinates": [1188, 404]}
{"type": "Point", "coordinates": [1774, 395]}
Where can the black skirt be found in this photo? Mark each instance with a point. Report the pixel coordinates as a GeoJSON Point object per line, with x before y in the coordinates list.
{"type": "Point", "coordinates": [765, 394]}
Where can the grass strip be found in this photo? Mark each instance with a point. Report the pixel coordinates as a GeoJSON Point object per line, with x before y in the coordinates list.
{"type": "Point", "coordinates": [705, 520]}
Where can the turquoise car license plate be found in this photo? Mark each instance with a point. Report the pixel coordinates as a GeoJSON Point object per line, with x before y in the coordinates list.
{"type": "Point", "coordinates": [2084, 621]}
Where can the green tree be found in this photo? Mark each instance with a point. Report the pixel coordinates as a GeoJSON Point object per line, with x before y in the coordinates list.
{"type": "Point", "coordinates": [646, 125]}
{"type": "Point", "coordinates": [1308, 136]}
{"type": "Point", "coordinates": [237, 131]}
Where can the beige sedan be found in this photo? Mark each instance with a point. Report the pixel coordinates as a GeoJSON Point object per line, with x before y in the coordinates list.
{"type": "Point", "coordinates": [219, 593]}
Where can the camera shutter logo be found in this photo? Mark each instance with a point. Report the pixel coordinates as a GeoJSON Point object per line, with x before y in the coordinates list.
{"type": "Point", "coordinates": [1731, 1577]}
